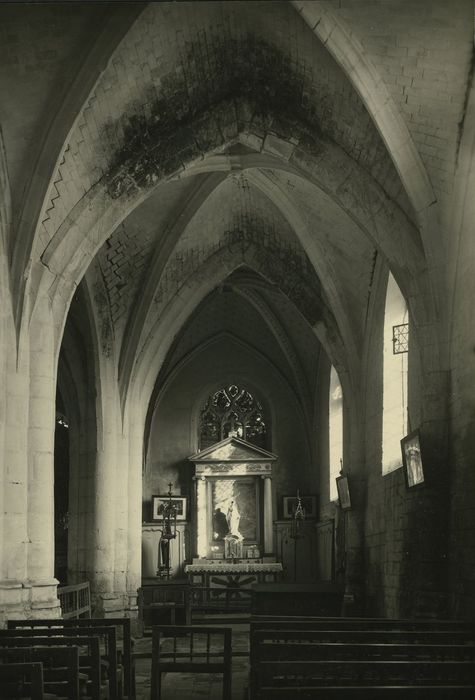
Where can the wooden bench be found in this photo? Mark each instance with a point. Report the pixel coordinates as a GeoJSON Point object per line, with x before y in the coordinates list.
{"type": "Point", "coordinates": [124, 638]}
{"type": "Point", "coordinates": [187, 649]}
{"type": "Point", "coordinates": [374, 692]}
{"type": "Point", "coordinates": [298, 647]}
{"type": "Point", "coordinates": [322, 598]}
{"type": "Point", "coordinates": [165, 597]}
{"type": "Point", "coordinates": [21, 680]}
{"type": "Point", "coordinates": [90, 660]}
{"type": "Point", "coordinates": [75, 601]}
{"type": "Point", "coordinates": [60, 667]}
{"type": "Point", "coordinates": [380, 671]}
{"type": "Point", "coordinates": [304, 655]}
{"type": "Point", "coordinates": [358, 623]}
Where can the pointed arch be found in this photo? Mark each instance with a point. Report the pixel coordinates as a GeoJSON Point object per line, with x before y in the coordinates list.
{"type": "Point", "coordinates": [156, 342]}
{"type": "Point", "coordinates": [96, 216]}
{"type": "Point", "coordinates": [349, 54]}
{"type": "Point", "coordinates": [115, 22]}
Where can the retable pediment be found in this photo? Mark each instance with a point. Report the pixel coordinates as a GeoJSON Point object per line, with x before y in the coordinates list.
{"type": "Point", "coordinates": [232, 450]}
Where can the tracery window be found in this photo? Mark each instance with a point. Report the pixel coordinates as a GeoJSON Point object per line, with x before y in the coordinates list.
{"type": "Point", "coordinates": [232, 411]}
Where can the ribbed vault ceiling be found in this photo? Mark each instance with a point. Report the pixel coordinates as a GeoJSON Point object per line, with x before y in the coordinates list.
{"type": "Point", "coordinates": [187, 82]}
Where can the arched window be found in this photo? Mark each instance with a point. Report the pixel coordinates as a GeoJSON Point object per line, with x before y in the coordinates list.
{"type": "Point", "coordinates": [335, 425]}
{"type": "Point", "coordinates": [396, 345]}
{"type": "Point", "coordinates": [232, 411]}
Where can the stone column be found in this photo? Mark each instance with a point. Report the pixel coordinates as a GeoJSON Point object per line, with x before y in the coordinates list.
{"type": "Point", "coordinates": [268, 527]}
{"type": "Point", "coordinates": [106, 486]}
{"type": "Point", "coordinates": [41, 425]}
{"type": "Point", "coordinates": [14, 598]}
{"type": "Point", "coordinates": [134, 538]}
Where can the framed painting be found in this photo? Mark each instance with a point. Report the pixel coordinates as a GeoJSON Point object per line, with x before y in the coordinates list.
{"type": "Point", "coordinates": [289, 504]}
{"type": "Point", "coordinates": [412, 459]}
{"type": "Point", "coordinates": [343, 489]}
{"type": "Point", "coordinates": [180, 503]}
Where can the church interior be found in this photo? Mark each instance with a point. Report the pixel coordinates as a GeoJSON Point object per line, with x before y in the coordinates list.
{"type": "Point", "coordinates": [237, 342]}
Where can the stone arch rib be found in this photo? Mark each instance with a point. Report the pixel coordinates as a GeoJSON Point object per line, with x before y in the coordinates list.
{"type": "Point", "coordinates": [363, 75]}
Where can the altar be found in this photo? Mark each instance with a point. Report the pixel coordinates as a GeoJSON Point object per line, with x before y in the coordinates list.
{"type": "Point", "coordinates": [242, 574]}
{"type": "Point", "coordinates": [234, 515]}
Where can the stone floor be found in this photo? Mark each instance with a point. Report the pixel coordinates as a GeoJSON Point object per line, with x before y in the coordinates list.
{"type": "Point", "coordinates": [187, 686]}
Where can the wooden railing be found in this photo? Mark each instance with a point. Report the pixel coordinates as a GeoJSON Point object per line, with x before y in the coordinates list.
{"type": "Point", "coordinates": [75, 601]}
{"type": "Point", "coordinates": [220, 599]}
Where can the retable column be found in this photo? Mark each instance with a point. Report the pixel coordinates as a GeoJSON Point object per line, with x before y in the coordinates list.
{"type": "Point", "coordinates": [268, 528]}
{"type": "Point", "coordinates": [201, 524]}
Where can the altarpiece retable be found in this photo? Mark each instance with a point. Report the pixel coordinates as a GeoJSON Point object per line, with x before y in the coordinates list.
{"type": "Point", "coordinates": [233, 519]}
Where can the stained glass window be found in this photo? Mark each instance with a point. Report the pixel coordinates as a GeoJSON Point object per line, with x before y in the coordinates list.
{"type": "Point", "coordinates": [232, 411]}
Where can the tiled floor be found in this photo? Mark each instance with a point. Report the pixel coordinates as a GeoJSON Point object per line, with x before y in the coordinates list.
{"type": "Point", "coordinates": [187, 686]}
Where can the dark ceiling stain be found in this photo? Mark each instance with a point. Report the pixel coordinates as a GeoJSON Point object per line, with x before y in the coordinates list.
{"type": "Point", "coordinates": [251, 84]}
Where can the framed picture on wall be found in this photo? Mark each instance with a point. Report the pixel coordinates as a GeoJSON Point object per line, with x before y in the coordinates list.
{"type": "Point", "coordinates": [412, 459]}
{"type": "Point", "coordinates": [289, 504]}
{"type": "Point", "coordinates": [343, 489]}
{"type": "Point", "coordinates": [180, 503]}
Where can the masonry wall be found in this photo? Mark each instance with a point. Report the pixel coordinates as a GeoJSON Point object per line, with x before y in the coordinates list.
{"type": "Point", "coordinates": [404, 532]}
{"type": "Point", "coordinates": [461, 312]}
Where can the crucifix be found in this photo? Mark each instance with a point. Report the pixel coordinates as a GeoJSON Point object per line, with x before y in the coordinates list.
{"type": "Point", "coordinates": [168, 533]}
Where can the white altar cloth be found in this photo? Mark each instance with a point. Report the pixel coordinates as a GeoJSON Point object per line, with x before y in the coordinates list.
{"type": "Point", "coordinates": [224, 566]}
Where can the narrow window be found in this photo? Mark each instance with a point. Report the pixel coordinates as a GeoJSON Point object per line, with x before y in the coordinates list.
{"type": "Point", "coordinates": [335, 422]}
{"type": "Point", "coordinates": [396, 345]}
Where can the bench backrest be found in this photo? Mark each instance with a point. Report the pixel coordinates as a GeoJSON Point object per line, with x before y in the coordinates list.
{"type": "Point", "coordinates": [21, 680]}
{"type": "Point", "coordinates": [358, 623]}
{"type": "Point", "coordinates": [361, 636]}
{"type": "Point", "coordinates": [373, 672]}
{"type": "Point", "coordinates": [75, 600]}
{"type": "Point", "coordinates": [60, 666]}
{"type": "Point", "coordinates": [89, 650]}
{"type": "Point", "coordinates": [395, 692]}
{"type": "Point", "coordinates": [121, 624]}
{"type": "Point", "coordinates": [270, 650]}
{"type": "Point", "coordinates": [347, 652]}
{"type": "Point", "coordinates": [190, 649]}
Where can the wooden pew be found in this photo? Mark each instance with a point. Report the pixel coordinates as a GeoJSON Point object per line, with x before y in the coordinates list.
{"type": "Point", "coordinates": [107, 638]}
{"type": "Point", "coordinates": [75, 601]}
{"type": "Point", "coordinates": [187, 649]}
{"type": "Point", "coordinates": [323, 598]}
{"type": "Point", "coordinates": [302, 655]}
{"type": "Point", "coordinates": [89, 654]}
{"type": "Point", "coordinates": [374, 692]}
{"type": "Point", "coordinates": [60, 667]}
{"type": "Point", "coordinates": [358, 623]}
{"type": "Point", "coordinates": [21, 680]}
{"type": "Point", "coordinates": [163, 597]}
{"type": "Point", "coordinates": [124, 638]}
{"type": "Point", "coordinates": [369, 671]}
{"type": "Point", "coordinates": [306, 633]}
{"type": "Point", "coordinates": [297, 647]}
